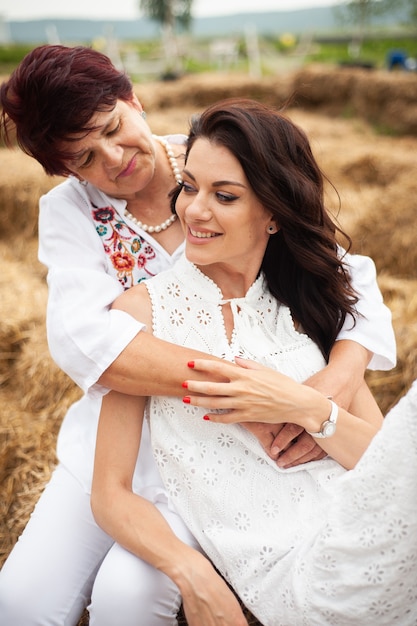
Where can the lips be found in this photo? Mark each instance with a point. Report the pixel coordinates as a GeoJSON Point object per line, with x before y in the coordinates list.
{"type": "Point", "coordinates": [202, 234]}
{"type": "Point", "coordinates": [129, 169]}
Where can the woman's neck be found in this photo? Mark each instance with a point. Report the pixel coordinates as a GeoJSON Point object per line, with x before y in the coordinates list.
{"type": "Point", "coordinates": [233, 283]}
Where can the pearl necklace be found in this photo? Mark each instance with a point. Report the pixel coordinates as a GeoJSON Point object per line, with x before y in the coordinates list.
{"type": "Point", "coordinates": [177, 175]}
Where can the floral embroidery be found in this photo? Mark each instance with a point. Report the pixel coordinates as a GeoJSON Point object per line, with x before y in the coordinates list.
{"type": "Point", "coordinates": [124, 263]}
{"type": "Point", "coordinates": [160, 457]}
{"type": "Point", "coordinates": [203, 317]}
{"type": "Point", "coordinates": [270, 508]}
{"type": "Point", "coordinates": [128, 252]}
{"type": "Point", "coordinates": [210, 476]}
{"type": "Point", "coordinates": [225, 440]}
{"type": "Point", "coordinates": [242, 521]}
{"type": "Point", "coordinates": [250, 596]}
{"type": "Point", "coordinates": [237, 466]}
{"type": "Point", "coordinates": [177, 317]}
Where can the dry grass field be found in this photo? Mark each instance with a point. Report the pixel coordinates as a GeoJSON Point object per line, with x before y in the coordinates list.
{"type": "Point", "coordinates": [344, 113]}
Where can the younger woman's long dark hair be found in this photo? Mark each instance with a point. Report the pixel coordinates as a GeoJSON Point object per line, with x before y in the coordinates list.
{"type": "Point", "coordinates": [301, 264]}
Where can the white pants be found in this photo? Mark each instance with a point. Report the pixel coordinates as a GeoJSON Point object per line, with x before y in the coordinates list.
{"type": "Point", "coordinates": [50, 574]}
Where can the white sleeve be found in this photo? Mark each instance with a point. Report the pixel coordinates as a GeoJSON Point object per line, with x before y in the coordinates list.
{"type": "Point", "coordinates": [84, 335]}
{"type": "Point", "coordinates": [373, 328]}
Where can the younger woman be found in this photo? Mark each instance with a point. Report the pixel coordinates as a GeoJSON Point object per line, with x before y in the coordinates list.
{"type": "Point", "coordinates": [262, 279]}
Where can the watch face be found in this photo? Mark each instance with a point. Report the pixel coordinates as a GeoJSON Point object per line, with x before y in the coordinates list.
{"type": "Point", "coordinates": [329, 428]}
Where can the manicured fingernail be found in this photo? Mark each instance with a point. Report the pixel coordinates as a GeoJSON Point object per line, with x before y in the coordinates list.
{"type": "Point", "coordinates": [185, 384]}
{"type": "Point", "coordinates": [206, 417]}
{"type": "Point", "coordinates": [186, 399]}
{"type": "Point", "coordinates": [190, 364]}
{"type": "Point", "coordinates": [275, 450]}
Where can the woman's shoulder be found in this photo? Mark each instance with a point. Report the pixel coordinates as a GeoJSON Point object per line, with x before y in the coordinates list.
{"type": "Point", "coordinates": [134, 301]}
{"type": "Point", "coordinates": [176, 139]}
{"type": "Point", "coordinates": [70, 190]}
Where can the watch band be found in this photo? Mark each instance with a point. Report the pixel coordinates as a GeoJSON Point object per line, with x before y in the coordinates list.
{"type": "Point", "coordinates": [328, 427]}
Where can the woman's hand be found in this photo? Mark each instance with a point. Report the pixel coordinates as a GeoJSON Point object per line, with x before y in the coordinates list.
{"type": "Point", "coordinates": [207, 599]}
{"type": "Point", "coordinates": [252, 395]}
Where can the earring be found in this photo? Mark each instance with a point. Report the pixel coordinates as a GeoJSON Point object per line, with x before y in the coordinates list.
{"type": "Point", "coordinates": [271, 229]}
{"type": "Point", "coordinates": [84, 183]}
{"type": "Point", "coordinates": [143, 114]}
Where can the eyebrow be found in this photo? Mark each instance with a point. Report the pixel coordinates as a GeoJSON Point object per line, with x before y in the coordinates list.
{"type": "Point", "coordinates": [218, 183]}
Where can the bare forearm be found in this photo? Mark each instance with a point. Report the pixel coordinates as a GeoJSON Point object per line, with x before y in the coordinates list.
{"type": "Point", "coordinates": [344, 374]}
{"type": "Point", "coordinates": [355, 428]}
{"type": "Point", "coordinates": [149, 366]}
{"type": "Point", "coordinates": [138, 526]}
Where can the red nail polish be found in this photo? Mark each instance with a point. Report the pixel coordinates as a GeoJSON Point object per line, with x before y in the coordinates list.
{"type": "Point", "coordinates": [190, 364]}
{"type": "Point", "coordinates": [185, 384]}
{"type": "Point", "coordinates": [186, 399]}
{"type": "Point", "coordinates": [206, 417]}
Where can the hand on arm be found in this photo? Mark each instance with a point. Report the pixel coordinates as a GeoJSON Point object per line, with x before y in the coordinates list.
{"type": "Point", "coordinates": [282, 400]}
{"type": "Point", "coordinates": [137, 525]}
{"type": "Point", "coordinates": [340, 379]}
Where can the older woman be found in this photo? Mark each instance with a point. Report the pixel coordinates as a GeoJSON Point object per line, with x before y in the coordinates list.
{"type": "Point", "coordinates": [105, 229]}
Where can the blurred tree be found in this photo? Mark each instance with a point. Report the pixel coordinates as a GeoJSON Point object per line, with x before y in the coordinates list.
{"type": "Point", "coordinates": [360, 14]}
{"type": "Point", "coordinates": [410, 9]}
{"type": "Point", "coordinates": [169, 13]}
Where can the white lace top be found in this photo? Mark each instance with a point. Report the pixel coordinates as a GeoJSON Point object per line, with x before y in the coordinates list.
{"type": "Point", "coordinates": [309, 546]}
{"type": "Point", "coordinates": [218, 476]}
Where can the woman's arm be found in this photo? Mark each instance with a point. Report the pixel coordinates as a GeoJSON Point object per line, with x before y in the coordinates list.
{"type": "Point", "coordinates": [286, 401]}
{"type": "Point", "coordinates": [97, 346]}
{"type": "Point", "coordinates": [85, 336]}
{"type": "Point", "coordinates": [163, 367]}
{"type": "Point", "coordinates": [340, 379]}
{"type": "Point", "coordinates": [137, 525]}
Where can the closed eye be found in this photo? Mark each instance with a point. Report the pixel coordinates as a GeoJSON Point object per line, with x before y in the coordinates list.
{"type": "Point", "coordinates": [114, 130]}
{"type": "Point", "coordinates": [226, 197]}
{"type": "Point", "coordinates": [187, 188]}
{"type": "Point", "coordinates": [87, 161]}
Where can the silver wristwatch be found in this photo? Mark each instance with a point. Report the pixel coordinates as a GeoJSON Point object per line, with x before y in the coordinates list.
{"type": "Point", "coordinates": [328, 427]}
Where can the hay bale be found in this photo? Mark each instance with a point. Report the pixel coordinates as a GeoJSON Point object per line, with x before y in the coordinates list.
{"type": "Point", "coordinates": [400, 296]}
{"type": "Point", "coordinates": [27, 450]}
{"type": "Point", "coordinates": [34, 396]}
{"type": "Point", "coordinates": [22, 310]}
{"type": "Point", "coordinates": [385, 99]}
{"type": "Point", "coordinates": [325, 87]}
{"type": "Point", "coordinates": [388, 100]}
{"type": "Point", "coordinates": [22, 182]}
{"type": "Point", "coordinates": [200, 90]}
{"type": "Point", "coordinates": [387, 231]}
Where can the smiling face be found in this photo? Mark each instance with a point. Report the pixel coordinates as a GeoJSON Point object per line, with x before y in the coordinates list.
{"type": "Point", "coordinates": [224, 223]}
{"type": "Point", "coordinates": [118, 156]}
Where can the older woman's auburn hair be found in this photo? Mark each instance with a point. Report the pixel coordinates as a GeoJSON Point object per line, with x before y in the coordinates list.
{"type": "Point", "coordinates": [301, 262]}
{"type": "Point", "coordinates": [52, 95]}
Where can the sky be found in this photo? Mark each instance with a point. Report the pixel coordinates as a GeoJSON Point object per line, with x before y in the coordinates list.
{"type": "Point", "coordinates": [128, 9]}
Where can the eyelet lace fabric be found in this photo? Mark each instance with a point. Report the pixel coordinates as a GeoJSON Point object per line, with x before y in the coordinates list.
{"type": "Point", "coordinates": [308, 545]}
